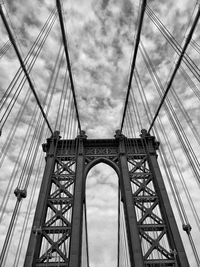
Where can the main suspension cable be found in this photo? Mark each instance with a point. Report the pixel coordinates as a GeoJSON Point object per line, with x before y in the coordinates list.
{"type": "Point", "coordinates": [33, 50]}
{"type": "Point", "coordinates": [187, 41]}
{"type": "Point", "coordinates": [23, 66]}
{"type": "Point", "coordinates": [173, 42]}
{"type": "Point", "coordinates": [39, 45]}
{"type": "Point", "coordinates": [178, 128]}
{"type": "Point", "coordinates": [143, 6]}
{"type": "Point", "coordinates": [68, 59]}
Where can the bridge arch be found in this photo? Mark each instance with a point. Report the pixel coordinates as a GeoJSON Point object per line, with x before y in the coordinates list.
{"type": "Point", "coordinates": [104, 160]}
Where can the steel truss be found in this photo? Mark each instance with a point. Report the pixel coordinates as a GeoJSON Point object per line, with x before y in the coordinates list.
{"type": "Point", "coordinates": [152, 234]}
{"type": "Point", "coordinates": [152, 227]}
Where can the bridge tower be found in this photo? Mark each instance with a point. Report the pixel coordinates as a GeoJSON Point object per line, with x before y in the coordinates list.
{"type": "Point", "coordinates": [152, 234]}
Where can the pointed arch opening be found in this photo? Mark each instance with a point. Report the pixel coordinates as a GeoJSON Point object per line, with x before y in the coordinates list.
{"type": "Point", "coordinates": [102, 214]}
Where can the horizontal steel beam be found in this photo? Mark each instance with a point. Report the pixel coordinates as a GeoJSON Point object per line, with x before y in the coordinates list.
{"type": "Point", "coordinates": [56, 229]}
{"type": "Point", "coordinates": [152, 227]}
{"type": "Point", "coordinates": [160, 262]}
{"type": "Point", "coordinates": [52, 264]}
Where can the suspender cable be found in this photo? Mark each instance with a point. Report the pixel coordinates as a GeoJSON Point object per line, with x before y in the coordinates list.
{"type": "Point", "coordinates": [4, 48]}
{"type": "Point", "coordinates": [34, 50]}
{"type": "Point", "coordinates": [187, 41]}
{"type": "Point", "coordinates": [39, 45]}
{"type": "Point", "coordinates": [10, 230]}
{"type": "Point", "coordinates": [190, 82]}
{"type": "Point", "coordinates": [67, 58]}
{"type": "Point", "coordinates": [168, 107]}
{"type": "Point", "coordinates": [158, 85]}
{"type": "Point", "coordinates": [35, 185]}
{"type": "Point", "coordinates": [195, 45]}
{"type": "Point", "coordinates": [23, 66]}
{"type": "Point", "coordinates": [174, 44]}
{"type": "Point", "coordinates": [178, 129]}
{"type": "Point", "coordinates": [143, 6]}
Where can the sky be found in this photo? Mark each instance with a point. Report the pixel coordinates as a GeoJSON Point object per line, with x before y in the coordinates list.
{"type": "Point", "coordinates": [100, 38]}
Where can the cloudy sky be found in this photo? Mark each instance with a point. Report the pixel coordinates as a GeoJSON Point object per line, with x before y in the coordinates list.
{"type": "Point", "coordinates": [100, 39]}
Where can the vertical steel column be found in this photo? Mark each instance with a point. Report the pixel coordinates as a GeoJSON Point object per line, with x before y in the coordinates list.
{"type": "Point", "coordinates": [41, 209]}
{"type": "Point", "coordinates": [135, 251]}
{"type": "Point", "coordinates": [77, 215]}
{"type": "Point", "coordinates": [165, 207]}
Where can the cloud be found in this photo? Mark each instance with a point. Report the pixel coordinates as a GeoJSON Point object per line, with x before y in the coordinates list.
{"type": "Point", "coordinates": [100, 39]}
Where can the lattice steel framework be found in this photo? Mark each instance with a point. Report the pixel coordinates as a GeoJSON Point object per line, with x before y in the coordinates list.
{"type": "Point", "coordinates": [152, 233]}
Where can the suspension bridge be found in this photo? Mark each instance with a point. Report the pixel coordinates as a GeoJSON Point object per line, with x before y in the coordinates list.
{"type": "Point", "coordinates": [48, 149]}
